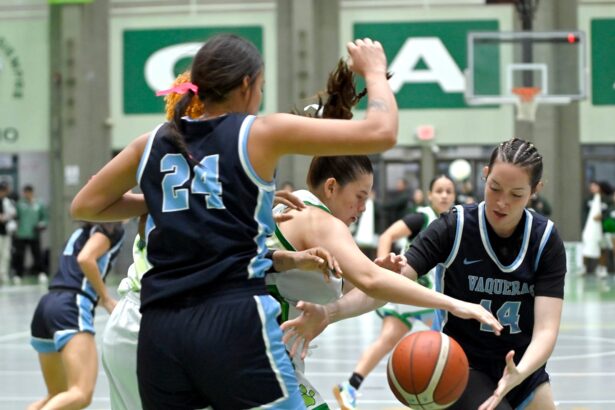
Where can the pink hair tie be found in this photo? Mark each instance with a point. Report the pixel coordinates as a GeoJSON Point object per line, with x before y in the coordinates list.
{"type": "Point", "coordinates": [179, 89]}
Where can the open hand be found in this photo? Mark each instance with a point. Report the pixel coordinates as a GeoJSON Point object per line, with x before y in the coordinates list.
{"type": "Point", "coordinates": [392, 262]}
{"type": "Point", "coordinates": [304, 328]}
{"type": "Point", "coordinates": [317, 259]}
{"type": "Point", "coordinates": [509, 380]}
{"type": "Point", "coordinates": [288, 199]}
{"type": "Point", "coordinates": [466, 310]}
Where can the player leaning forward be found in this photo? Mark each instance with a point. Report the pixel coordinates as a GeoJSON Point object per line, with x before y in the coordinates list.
{"type": "Point", "coordinates": [499, 254]}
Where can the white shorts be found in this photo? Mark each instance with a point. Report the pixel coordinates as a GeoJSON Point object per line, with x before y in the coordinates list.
{"type": "Point", "coordinates": [406, 313]}
{"type": "Point", "coordinates": [119, 353]}
{"type": "Point", "coordinates": [311, 398]}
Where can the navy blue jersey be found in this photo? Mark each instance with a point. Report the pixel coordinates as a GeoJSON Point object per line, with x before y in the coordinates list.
{"type": "Point", "coordinates": [416, 222]}
{"type": "Point", "coordinates": [70, 275]}
{"type": "Point", "coordinates": [502, 274]}
{"type": "Point", "coordinates": [208, 222]}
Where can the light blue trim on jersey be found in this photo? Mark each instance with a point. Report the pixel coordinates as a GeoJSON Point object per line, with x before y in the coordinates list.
{"type": "Point", "coordinates": [244, 134]}
{"type": "Point", "coordinates": [268, 310]}
{"type": "Point", "coordinates": [543, 242]}
{"type": "Point", "coordinates": [458, 234]}
{"type": "Point", "coordinates": [43, 345]}
{"type": "Point", "coordinates": [146, 152]}
{"type": "Point", "coordinates": [263, 216]}
{"type": "Point", "coordinates": [441, 316]}
{"type": "Point", "coordinates": [482, 223]}
{"type": "Point", "coordinates": [69, 249]}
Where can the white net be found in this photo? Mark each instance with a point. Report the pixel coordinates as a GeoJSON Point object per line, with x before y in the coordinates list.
{"type": "Point", "coordinates": [526, 103]}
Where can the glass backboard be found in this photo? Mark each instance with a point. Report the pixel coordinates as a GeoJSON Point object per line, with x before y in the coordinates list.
{"type": "Point", "coordinates": [505, 67]}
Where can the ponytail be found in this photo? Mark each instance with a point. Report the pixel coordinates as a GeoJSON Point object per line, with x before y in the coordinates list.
{"type": "Point", "coordinates": [176, 136]}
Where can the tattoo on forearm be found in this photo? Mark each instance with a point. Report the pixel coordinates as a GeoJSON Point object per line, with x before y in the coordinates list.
{"type": "Point", "coordinates": [377, 105]}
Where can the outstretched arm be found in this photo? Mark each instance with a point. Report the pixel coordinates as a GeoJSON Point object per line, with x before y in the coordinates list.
{"type": "Point", "coordinates": [315, 318]}
{"type": "Point", "coordinates": [547, 316]}
{"type": "Point", "coordinates": [275, 135]}
{"type": "Point", "coordinates": [385, 285]}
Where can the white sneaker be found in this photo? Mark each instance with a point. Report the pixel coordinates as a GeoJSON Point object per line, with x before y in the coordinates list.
{"type": "Point", "coordinates": [42, 278]}
{"type": "Point", "coordinates": [346, 396]}
{"type": "Point", "coordinates": [601, 271]}
{"type": "Point", "coordinates": [16, 280]}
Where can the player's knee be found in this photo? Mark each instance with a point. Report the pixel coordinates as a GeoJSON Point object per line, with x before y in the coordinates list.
{"type": "Point", "coordinates": [389, 341]}
{"type": "Point", "coordinates": [82, 398]}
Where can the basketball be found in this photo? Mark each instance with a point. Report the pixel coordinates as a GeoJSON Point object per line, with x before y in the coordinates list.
{"type": "Point", "coordinates": [427, 370]}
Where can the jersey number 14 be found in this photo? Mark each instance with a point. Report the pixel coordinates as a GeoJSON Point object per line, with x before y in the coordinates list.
{"type": "Point", "coordinates": [507, 315]}
{"type": "Point", "coordinates": [205, 182]}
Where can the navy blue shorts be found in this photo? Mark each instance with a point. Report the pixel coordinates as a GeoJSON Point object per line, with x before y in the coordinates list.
{"type": "Point", "coordinates": [60, 315]}
{"type": "Point", "coordinates": [482, 384]}
{"type": "Point", "coordinates": [225, 352]}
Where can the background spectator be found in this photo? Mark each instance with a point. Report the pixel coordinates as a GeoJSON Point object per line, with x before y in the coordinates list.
{"type": "Point", "coordinates": [540, 205]}
{"type": "Point", "coordinates": [397, 202]}
{"type": "Point", "coordinates": [592, 235]}
{"type": "Point", "coordinates": [31, 221]}
{"type": "Point", "coordinates": [7, 227]}
{"type": "Point", "coordinates": [287, 186]}
{"type": "Point", "coordinates": [466, 193]}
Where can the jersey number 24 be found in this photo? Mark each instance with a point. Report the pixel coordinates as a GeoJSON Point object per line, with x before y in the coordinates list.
{"type": "Point", "coordinates": [205, 182]}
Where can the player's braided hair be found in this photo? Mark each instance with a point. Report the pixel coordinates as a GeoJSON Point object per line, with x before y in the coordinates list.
{"type": "Point", "coordinates": [175, 135]}
{"type": "Point", "coordinates": [521, 153]}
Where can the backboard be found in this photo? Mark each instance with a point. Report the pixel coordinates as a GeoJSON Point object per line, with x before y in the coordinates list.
{"type": "Point", "coordinates": [526, 67]}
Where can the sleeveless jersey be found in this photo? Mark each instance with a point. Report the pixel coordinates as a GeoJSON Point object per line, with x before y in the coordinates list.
{"type": "Point", "coordinates": [294, 285]}
{"type": "Point", "coordinates": [70, 275]}
{"type": "Point", "coordinates": [207, 223]}
{"type": "Point", "coordinates": [473, 272]}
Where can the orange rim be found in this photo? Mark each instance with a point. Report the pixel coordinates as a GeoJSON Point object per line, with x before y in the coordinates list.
{"type": "Point", "coordinates": [526, 94]}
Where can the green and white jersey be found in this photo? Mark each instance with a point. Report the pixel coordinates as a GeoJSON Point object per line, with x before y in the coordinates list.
{"type": "Point", "coordinates": [140, 266]}
{"type": "Point", "coordinates": [429, 212]}
{"type": "Point", "coordinates": [294, 285]}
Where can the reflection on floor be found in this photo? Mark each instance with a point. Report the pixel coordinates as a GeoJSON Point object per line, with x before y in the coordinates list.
{"type": "Point", "coordinates": [582, 367]}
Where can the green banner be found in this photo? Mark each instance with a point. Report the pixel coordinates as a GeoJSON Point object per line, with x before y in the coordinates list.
{"type": "Point", "coordinates": [603, 58]}
{"type": "Point", "coordinates": [427, 59]}
{"type": "Point", "coordinates": [154, 57]}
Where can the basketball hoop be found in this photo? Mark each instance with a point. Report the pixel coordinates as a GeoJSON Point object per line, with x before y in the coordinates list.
{"type": "Point", "coordinates": [526, 102]}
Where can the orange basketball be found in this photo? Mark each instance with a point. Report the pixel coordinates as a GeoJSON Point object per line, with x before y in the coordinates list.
{"type": "Point", "coordinates": [427, 370]}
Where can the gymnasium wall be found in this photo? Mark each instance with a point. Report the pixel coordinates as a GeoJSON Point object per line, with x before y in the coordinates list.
{"type": "Point", "coordinates": [24, 78]}
{"type": "Point", "coordinates": [426, 49]}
